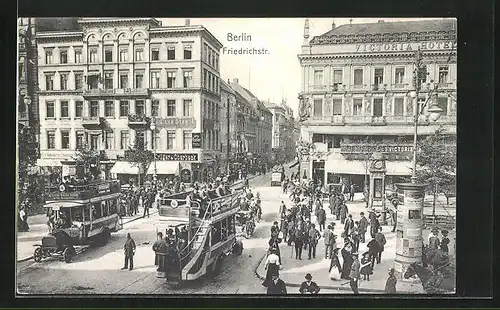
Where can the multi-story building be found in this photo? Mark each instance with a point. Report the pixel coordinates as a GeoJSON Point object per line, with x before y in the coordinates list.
{"type": "Point", "coordinates": [27, 77]}
{"type": "Point", "coordinates": [228, 120]}
{"type": "Point", "coordinates": [256, 120]}
{"type": "Point", "coordinates": [104, 85]}
{"type": "Point", "coordinates": [356, 95]}
{"type": "Point", "coordinates": [283, 143]}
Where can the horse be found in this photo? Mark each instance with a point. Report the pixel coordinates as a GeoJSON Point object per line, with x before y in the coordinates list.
{"type": "Point", "coordinates": [434, 281]}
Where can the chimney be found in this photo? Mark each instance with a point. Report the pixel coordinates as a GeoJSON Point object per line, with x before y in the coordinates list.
{"type": "Point", "coordinates": [381, 21]}
{"type": "Point", "coordinates": [228, 81]}
{"type": "Point", "coordinates": [333, 25]}
{"type": "Point", "coordinates": [235, 81]}
{"type": "Point", "coordinates": [187, 22]}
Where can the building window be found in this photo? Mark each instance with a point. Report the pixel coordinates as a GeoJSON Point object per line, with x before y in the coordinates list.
{"type": "Point", "coordinates": [138, 80]}
{"type": "Point", "coordinates": [155, 79]}
{"type": "Point", "coordinates": [337, 106]}
{"type": "Point", "coordinates": [50, 109]}
{"type": "Point", "coordinates": [64, 139]}
{"type": "Point", "coordinates": [357, 107]}
{"type": "Point", "coordinates": [139, 53]}
{"type": "Point", "coordinates": [422, 76]}
{"type": "Point", "coordinates": [78, 81]}
{"type": "Point", "coordinates": [205, 54]}
{"type": "Point", "coordinates": [170, 140]}
{"type": "Point", "coordinates": [400, 76]}
{"type": "Point", "coordinates": [124, 108]}
{"type": "Point", "coordinates": [94, 108]}
{"type": "Point", "coordinates": [205, 78]}
{"type": "Point", "coordinates": [377, 107]}
{"type": "Point", "coordinates": [337, 77]}
{"type": "Point", "coordinates": [358, 76]}
{"type": "Point", "coordinates": [187, 139]}
{"type": "Point", "coordinates": [79, 109]}
{"type": "Point", "coordinates": [63, 57]}
{"type": "Point", "coordinates": [188, 78]}
{"type": "Point", "coordinates": [48, 57]}
{"type": "Point", "coordinates": [398, 106]}
{"type": "Point", "coordinates": [187, 107]}
{"type": "Point", "coordinates": [170, 79]}
{"type": "Point", "coordinates": [80, 139]}
{"type": "Point", "coordinates": [123, 54]}
{"type": "Point", "coordinates": [124, 139]}
{"type": "Point", "coordinates": [63, 81]}
{"type": "Point", "coordinates": [109, 109]}
{"type": "Point", "coordinates": [94, 141]}
{"type": "Point", "coordinates": [51, 140]}
{"type": "Point", "coordinates": [139, 139]}
{"type": "Point", "coordinates": [108, 55]}
{"type": "Point", "coordinates": [379, 76]}
{"type": "Point", "coordinates": [443, 74]}
{"type": "Point", "coordinates": [318, 107]}
{"type": "Point", "coordinates": [49, 82]}
{"type": "Point", "coordinates": [443, 104]}
{"type": "Point", "coordinates": [420, 103]}
{"type": "Point", "coordinates": [93, 55]}
{"type": "Point", "coordinates": [93, 81]}
{"type": "Point", "coordinates": [187, 51]}
{"type": "Point", "coordinates": [156, 141]}
{"type": "Point", "coordinates": [139, 107]}
{"type": "Point", "coordinates": [170, 107]}
{"type": "Point", "coordinates": [64, 109]}
{"type": "Point", "coordinates": [123, 80]}
{"type": "Point", "coordinates": [171, 53]}
{"type": "Point", "coordinates": [108, 80]}
{"type": "Point", "coordinates": [110, 140]}
{"type": "Point", "coordinates": [318, 77]}
{"type": "Point", "coordinates": [155, 108]}
{"type": "Point", "coordinates": [155, 54]}
{"type": "Point", "coordinates": [78, 56]}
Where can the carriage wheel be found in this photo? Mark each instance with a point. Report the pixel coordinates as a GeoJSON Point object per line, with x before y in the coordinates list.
{"type": "Point", "coordinates": [37, 255]}
{"type": "Point", "coordinates": [67, 255]}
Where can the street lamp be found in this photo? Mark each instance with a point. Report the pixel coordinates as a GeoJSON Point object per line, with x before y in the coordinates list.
{"type": "Point", "coordinates": [27, 100]}
{"type": "Point", "coordinates": [153, 129]}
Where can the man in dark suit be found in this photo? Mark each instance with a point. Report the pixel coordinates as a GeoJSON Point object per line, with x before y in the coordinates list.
{"type": "Point", "coordinates": [277, 286]}
{"type": "Point", "coordinates": [348, 226]}
{"type": "Point", "coordinates": [308, 286]}
{"type": "Point", "coordinates": [321, 218]}
{"type": "Point", "coordinates": [362, 228]}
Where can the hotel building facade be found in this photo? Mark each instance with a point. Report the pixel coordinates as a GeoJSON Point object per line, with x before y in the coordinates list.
{"type": "Point", "coordinates": [104, 85]}
{"type": "Point", "coordinates": [355, 95]}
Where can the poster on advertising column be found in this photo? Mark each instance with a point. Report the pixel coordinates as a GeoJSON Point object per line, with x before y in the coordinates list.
{"type": "Point", "coordinates": [196, 143]}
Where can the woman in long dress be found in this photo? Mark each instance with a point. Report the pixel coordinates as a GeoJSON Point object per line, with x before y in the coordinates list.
{"type": "Point", "coordinates": [335, 267]}
{"type": "Point", "coordinates": [347, 259]}
{"type": "Point", "coordinates": [272, 267]}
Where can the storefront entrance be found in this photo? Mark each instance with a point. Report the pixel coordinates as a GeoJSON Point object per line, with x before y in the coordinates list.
{"type": "Point", "coordinates": [318, 171]}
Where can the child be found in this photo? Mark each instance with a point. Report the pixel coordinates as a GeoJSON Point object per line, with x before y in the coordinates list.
{"type": "Point", "coordinates": [445, 241]}
{"type": "Point", "coordinates": [366, 268]}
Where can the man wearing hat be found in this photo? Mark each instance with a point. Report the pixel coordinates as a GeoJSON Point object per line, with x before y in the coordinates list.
{"type": "Point", "coordinates": [277, 286]}
{"type": "Point", "coordinates": [354, 273]}
{"type": "Point", "coordinates": [445, 241]}
{"type": "Point", "coordinates": [308, 286]}
{"type": "Point", "coordinates": [433, 239]}
{"type": "Point", "coordinates": [390, 284]}
{"type": "Point", "coordinates": [329, 241]}
{"type": "Point", "coordinates": [362, 227]}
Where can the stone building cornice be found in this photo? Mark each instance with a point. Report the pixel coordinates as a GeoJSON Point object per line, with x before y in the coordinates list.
{"type": "Point", "coordinates": [381, 55]}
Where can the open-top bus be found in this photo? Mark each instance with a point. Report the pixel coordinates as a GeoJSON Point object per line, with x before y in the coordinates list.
{"type": "Point", "coordinates": [211, 235]}
{"type": "Point", "coordinates": [82, 215]}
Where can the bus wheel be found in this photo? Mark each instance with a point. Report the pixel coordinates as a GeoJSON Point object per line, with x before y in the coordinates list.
{"type": "Point", "coordinates": [216, 266]}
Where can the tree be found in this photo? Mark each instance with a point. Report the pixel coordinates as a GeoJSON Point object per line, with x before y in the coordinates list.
{"type": "Point", "coordinates": [139, 157]}
{"type": "Point", "coordinates": [87, 161]}
{"type": "Point", "coordinates": [436, 164]}
{"type": "Point", "coordinates": [28, 183]}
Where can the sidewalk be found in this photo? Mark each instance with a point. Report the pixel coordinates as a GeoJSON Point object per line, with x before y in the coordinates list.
{"type": "Point", "coordinates": [295, 270]}
{"type": "Point", "coordinates": [26, 241]}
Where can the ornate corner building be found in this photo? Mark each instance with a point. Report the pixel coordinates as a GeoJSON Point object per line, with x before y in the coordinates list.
{"type": "Point", "coordinates": [104, 84]}
{"type": "Point", "coordinates": [355, 99]}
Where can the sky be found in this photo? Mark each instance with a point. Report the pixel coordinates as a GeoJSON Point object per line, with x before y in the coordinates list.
{"type": "Point", "coordinates": [276, 75]}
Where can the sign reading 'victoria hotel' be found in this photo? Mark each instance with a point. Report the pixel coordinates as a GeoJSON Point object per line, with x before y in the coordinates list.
{"type": "Point", "coordinates": [404, 47]}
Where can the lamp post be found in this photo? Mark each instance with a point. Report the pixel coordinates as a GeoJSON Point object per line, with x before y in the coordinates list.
{"type": "Point", "coordinates": [410, 217]}
{"type": "Point", "coordinates": [153, 129]}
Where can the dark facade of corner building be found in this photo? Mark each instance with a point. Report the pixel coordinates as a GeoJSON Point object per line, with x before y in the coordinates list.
{"type": "Point", "coordinates": [356, 85]}
{"type": "Point", "coordinates": [104, 85]}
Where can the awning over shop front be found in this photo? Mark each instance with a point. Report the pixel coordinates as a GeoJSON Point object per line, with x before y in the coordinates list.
{"type": "Point", "coordinates": [343, 166]}
{"type": "Point", "coordinates": [49, 162]}
{"type": "Point", "coordinates": [164, 167]}
{"type": "Point", "coordinates": [295, 164]}
{"type": "Point", "coordinates": [125, 167]}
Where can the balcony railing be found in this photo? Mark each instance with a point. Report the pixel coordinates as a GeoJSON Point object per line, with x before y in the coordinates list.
{"type": "Point", "coordinates": [138, 119]}
{"type": "Point", "coordinates": [92, 121]}
{"type": "Point", "coordinates": [81, 191]}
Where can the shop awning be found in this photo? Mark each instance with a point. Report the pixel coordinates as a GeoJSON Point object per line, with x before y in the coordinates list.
{"type": "Point", "coordinates": [164, 167]}
{"type": "Point", "coordinates": [343, 166]}
{"type": "Point", "coordinates": [49, 162]}
{"type": "Point", "coordinates": [125, 167]}
{"type": "Point", "coordinates": [295, 164]}
{"type": "Point", "coordinates": [398, 167]}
